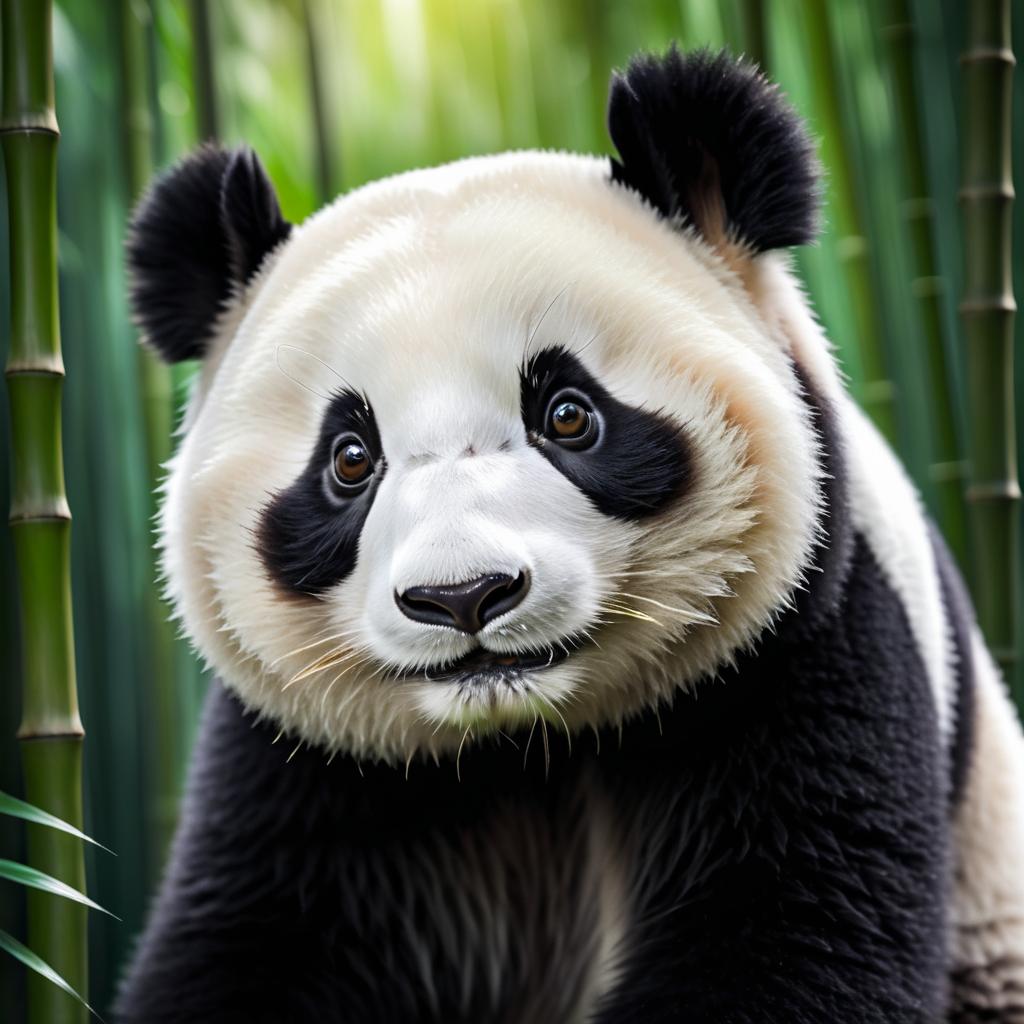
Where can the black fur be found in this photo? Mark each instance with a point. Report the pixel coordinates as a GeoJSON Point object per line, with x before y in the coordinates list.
{"type": "Point", "coordinates": [639, 464]}
{"type": "Point", "coordinates": [782, 834]}
{"type": "Point", "coordinates": [700, 131]}
{"type": "Point", "coordinates": [201, 232]}
{"type": "Point", "coordinates": [960, 616]}
{"type": "Point", "coordinates": [309, 532]}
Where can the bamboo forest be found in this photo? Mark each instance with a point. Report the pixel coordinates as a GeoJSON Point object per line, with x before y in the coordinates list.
{"type": "Point", "coordinates": [916, 111]}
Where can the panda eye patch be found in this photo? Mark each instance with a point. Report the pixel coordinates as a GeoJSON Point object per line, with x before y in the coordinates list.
{"type": "Point", "coordinates": [352, 464]}
{"type": "Point", "coordinates": [570, 421]}
{"type": "Point", "coordinates": [630, 461]}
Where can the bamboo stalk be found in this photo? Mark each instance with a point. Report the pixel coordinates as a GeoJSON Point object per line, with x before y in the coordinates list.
{"type": "Point", "coordinates": [207, 112]}
{"type": "Point", "coordinates": [318, 105]}
{"type": "Point", "coordinates": [845, 211]}
{"type": "Point", "coordinates": [166, 721]}
{"type": "Point", "coordinates": [948, 471]}
{"type": "Point", "coordinates": [51, 731]}
{"type": "Point", "coordinates": [987, 311]}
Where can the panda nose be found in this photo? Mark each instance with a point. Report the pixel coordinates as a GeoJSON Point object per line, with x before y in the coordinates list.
{"type": "Point", "coordinates": [467, 607]}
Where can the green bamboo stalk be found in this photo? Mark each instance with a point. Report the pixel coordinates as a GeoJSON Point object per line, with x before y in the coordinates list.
{"type": "Point", "coordinates": [51, 731]}
{"type": "Point", "coordinates": [848, 220]}
{"type": "Point", "coordinates": [318, 105]}
{"type": "Point", "coordinates": [987, 311]}
{"type": "Point", "coordinates": [166, 721]}
{"type": "Point", "coordinates": [948, 471]}
{"type": "Point", "coordinates": [207, 111]}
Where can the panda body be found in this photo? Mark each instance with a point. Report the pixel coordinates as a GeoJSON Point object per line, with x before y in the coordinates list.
{"type": "Point", "coordinates": [720, 740]}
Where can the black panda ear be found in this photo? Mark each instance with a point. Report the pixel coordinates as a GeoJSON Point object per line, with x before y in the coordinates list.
{"type": "Point", "coordinates": [708, 140]}
{"type": "Point", "coordinates": [198, 235]}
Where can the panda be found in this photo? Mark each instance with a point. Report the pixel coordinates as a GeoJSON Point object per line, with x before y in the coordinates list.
{"type": "Point", "coordinates": [583, 653]}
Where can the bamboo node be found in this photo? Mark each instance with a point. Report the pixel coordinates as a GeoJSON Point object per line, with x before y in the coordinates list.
{"type": "Point", "coordinates": [31, 122]}
{"type": "Point", "coordinates": [53, 509]}
{"type": "Point", "coordinates": [51, 365]}
{"type": "Point", "coordinates": [989, 304]}
{"type": "Point", "coordinates": [980, 54]}
{"type": "Point", "coordinates": [994, 490]}
{"type": "Point", "coordinates": [1000, 190]}
{"type": "Point", "coordinates": [71, 730]}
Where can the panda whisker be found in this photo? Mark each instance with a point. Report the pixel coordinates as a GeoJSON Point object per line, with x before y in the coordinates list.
{"type": "Point", "coordinates": [311, 668]}
{"type": "Point", "coordinates": [529, 739]}
{"type": "Point", "coordinates": [506, 736]}
{"type": "Point", "coordinates": [631, 613]}
{"type": "Point", "coordinates": [458, 756]}
{"type": "Point", "coordinates": [336, 657]}
{"type": "Point", "coordinates": [300, 650]}
{"type": "Point", "coordinates": [586, 345]}
{"type": "Point", "coordinates": [330, 686]}
{"type": "Point", "coordinates": [568, 736]}
{"type": "Point", "coordinates": [688, 614]}
{"type": "Point", "coordinates": [624, 573]}
{"type": "Point", "coordinates": [547, 309]}
{"type": "Point", "coordinates": [327, 366]}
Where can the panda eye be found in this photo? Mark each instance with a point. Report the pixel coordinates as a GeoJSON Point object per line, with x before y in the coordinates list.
{"type": "Point", "coordinates": [570, 421]}
{"type": "Point", "coordinates": [353, 465]}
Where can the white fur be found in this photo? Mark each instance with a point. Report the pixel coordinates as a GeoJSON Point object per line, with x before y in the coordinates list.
{"type": "Point", "coordinates": [988, 904]}
{"type": "Point", "coordinates": [427, 291]}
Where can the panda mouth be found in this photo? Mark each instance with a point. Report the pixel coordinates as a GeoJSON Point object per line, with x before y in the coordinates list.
{"type": "Point", "coordinates": [483, 666]}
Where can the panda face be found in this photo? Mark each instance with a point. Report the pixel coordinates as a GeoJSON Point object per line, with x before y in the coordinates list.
{"type": "Point", "coordinates": [449, 471]}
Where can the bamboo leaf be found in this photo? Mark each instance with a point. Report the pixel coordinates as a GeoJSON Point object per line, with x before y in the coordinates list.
{"type": "Point", "coordinates": [40, 966]}
{"type": "Point", "coordinates": [25, 875]}
{"type": "Point", "coordinates": [16, 808]}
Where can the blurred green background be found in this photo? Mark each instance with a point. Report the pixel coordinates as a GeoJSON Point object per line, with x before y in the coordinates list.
{"type": "Point", "coordinates": [333, 93]}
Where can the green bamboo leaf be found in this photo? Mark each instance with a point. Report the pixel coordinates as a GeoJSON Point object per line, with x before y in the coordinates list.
{"type": "Point", "coordinates": [40, 966]}
{"type": "Point", "coordinates": [16, 808]}
{"type": "Point", "coordinates": [24, 875]}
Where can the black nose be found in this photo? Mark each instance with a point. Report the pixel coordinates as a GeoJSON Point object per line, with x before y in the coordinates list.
{"type": "Point", "coordinates": [465, 606]}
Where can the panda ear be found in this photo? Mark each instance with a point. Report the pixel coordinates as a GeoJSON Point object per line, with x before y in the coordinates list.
{"type": "Point", "coordinates": [196, 238]}
{"type": "Point", "coordinates": [710, 142]}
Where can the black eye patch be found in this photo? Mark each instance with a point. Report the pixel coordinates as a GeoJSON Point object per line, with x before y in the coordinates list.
{"type": "Point", "coordinates": [639, 463]}
{"type": "Point", "coordinates": [308, 536]}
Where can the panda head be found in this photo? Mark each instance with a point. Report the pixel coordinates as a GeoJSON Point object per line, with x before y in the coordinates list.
{"type": "Point", "coordinates": [506, 440]}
